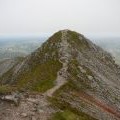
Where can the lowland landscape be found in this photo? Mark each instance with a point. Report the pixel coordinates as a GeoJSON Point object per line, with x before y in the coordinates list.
{"type": "Point", "coordinates": [63, 77]}
{"type": "Point", "coordinates": [18, 46]}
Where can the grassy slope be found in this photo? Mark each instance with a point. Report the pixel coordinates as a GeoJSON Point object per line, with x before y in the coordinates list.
{"type": "Point", "coordinates": [68, 115]}
{"type": "Point", "coordinates": [6, 89]}
{"type": "Point", "coordinates": [5, 78]}
{"type": "Point", "coordinates": [77, 42]}
{"type": "Point", "coordinates": [41, 71]}
{"type": "Point", "coordinates": [41, 77]}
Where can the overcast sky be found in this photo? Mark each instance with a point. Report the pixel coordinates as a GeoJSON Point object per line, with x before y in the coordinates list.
{"type": "Point", "coordinates": [100, 17]}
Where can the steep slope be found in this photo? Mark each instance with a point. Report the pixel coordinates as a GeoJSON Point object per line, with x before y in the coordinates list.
{"type": "Point", "coordinates": [36, 70]}
{"type": "Point", "coordinates": [6, 70]}
{"type": "Point", "coordinates": [77, 79]}
{"type": "Point", "coordinates": [94, 80]}
{"type": "Point", "coordinates": [7, 64]}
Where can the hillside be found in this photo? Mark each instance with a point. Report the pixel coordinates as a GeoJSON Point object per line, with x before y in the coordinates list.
{"type": "Point", "coordinates": [67, 78]}
{"type": "Point", "coordinates": [7, 64]}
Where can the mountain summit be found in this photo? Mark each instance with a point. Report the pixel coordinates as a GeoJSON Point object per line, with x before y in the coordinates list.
{"type": "Point", "coordinates": [77, 79]}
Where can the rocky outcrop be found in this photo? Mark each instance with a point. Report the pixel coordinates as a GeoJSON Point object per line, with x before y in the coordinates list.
{"type": "Point", "coordinates": [13, 98]}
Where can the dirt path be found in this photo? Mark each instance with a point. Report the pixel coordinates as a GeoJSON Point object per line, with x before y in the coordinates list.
{"type": "Point", "coordinates": [62, 73]}
{"type": "Point", "coordinates": [59, 81]}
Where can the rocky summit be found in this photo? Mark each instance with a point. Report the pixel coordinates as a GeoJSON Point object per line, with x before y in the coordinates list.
{"type": "Point", "coordinates": [67, 78]}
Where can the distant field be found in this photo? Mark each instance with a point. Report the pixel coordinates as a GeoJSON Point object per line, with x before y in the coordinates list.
{"type": "Point", "coordinates": [10, 48]}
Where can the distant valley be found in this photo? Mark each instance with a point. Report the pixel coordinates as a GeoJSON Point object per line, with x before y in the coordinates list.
{"type": "Point", "coordinates": [19, 47]}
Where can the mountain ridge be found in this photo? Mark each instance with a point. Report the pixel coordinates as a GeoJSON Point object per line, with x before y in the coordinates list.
{"type": "Point", "coordinates": [73, 75]}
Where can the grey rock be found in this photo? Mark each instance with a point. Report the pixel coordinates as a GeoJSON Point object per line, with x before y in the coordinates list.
{"type": "Point", "coordinates": [24, 114]}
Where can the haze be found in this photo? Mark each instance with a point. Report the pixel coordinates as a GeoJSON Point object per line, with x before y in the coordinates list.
{"type": "Point", "coordinates": [34, 17]}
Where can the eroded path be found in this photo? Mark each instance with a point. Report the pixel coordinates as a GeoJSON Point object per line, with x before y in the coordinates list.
{"type": "Point", "coordinates": [62, 73]}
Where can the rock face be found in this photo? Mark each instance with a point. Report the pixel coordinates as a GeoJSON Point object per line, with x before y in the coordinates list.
{"type": "Point", "coordinates": [77, 76]}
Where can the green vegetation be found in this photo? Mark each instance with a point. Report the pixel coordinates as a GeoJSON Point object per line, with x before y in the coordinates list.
{"type": "Point", "coordinates": [51, 46]}
{"type": "Point", "coordinates": [70, 115]}
{"type": "Point", "coordinates": [41, 77]}
{"type": "Point", "coordinates": [65, 115]}
{"type": "Point", "coordinates": [40, 69]}
{"type": "Point", "coordinates": [55, 38]}
{"type": "Point", "coordinates": [5, 89]}
{"type": "Point", "coordinates": [76, 41]}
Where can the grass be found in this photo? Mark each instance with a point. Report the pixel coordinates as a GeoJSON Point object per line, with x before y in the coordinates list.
{"type": "Point", "coordinates": [5, 89]}
{"type": "Point", "coordinates": [40, 69]}
{"type": "Point", "coordinates": [70, 115]}
{"type": "Point", "coordinates": [43, 66]}
{"type": "Point", "coordinates": [76, 42]}
{"type": "Point", "coordinates": [41, 77]}
{"type": "Point", "coordinates": [65, 115]}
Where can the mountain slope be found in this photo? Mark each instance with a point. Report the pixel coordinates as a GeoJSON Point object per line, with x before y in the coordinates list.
{"type": "Point", "coordinates": [74, 76]}
{"type": "Point", "coordinates": [7, 64]}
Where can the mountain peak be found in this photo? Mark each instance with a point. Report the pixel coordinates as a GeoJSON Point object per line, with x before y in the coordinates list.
{"type": "Point", "coordinates": [65, 29]}
{"type": "Point", "coordinates": [79, 77]}
{"type": "Point", "coordinates": [73, 38]}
